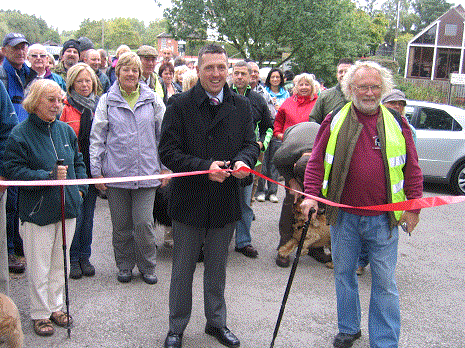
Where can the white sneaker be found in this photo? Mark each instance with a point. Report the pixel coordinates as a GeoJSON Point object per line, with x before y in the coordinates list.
{"type": "Point", "coordinates": [261, 197]}
{"type": "Point", "coordinates": [274, 199]}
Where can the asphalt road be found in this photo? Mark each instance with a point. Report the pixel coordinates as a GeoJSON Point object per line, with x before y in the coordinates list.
{"type": "Point", "coordinates": [430, 277]}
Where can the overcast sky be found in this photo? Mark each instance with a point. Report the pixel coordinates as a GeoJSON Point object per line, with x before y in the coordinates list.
{"type": "Point", "coordinates": [67, 15]}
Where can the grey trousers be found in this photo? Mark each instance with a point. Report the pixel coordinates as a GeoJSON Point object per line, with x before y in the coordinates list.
{"type": "Point", "coordinates": [4, 273]}
{"type": "Point", "coordinates": [188, 241]}
{"type": "Point", "coordinates": [133, 228]}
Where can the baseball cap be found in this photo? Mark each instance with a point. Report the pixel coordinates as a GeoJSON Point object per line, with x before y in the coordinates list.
{"type": "Point", "coordinates": [13, 39]}
{"type": "Point", "coordinates": [394, 95]}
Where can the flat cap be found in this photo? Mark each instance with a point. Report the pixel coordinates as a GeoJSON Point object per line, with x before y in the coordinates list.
{"type": "Point", "coordinates": [394, 95]}
{"type": "Point", "coordinates": [147, 51]}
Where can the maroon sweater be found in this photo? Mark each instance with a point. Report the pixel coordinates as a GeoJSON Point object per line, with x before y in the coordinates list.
{"type": "Point", "coordinates": [365, 184]}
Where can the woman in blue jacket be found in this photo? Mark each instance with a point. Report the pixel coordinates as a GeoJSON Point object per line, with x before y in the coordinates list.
{"type": "Point", "coordinates": [31, 153]}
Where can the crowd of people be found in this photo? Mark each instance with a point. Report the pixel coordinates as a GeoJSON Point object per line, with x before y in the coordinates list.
{"type": "Point", "coordinates": [142, 114]}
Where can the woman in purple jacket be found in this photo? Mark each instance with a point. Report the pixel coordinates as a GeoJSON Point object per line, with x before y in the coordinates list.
{"type": "Point", "coordinates": [124, 142]}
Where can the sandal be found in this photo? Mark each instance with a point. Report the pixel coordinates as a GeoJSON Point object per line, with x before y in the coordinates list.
{"type": "Point", "coordinates": [60, 318]}
{"type": "Point", "coordinates": [43, 327]}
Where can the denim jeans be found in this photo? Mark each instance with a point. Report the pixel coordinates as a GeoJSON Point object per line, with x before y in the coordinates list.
{"type": "Point", "coordinates": [80, 247]}
{"type": "Point", "coordinates": [15, 243]}
{"type": "Point", "coordinates": [347, 238]}
{"type": "Point", "coordinates": [243, 226]}
{"type": "Point", "coordinates": [269, 170]}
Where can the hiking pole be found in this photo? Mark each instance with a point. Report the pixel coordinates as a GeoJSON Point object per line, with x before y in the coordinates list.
{"type": "Point", "coordinates": [291, 275]}
{"type": "Point", "coordinates": [63, 236]}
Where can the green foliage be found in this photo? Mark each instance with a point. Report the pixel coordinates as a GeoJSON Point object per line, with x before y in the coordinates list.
{"type": "Point", "coordinates": [155, 28]}
{"type": "Point", "coordinates": [421, 91]}
{"type": "Point", "coordinates": [311, 35]}
{"type": "Point", "coordinates": [34, 29]}
{"type": "Point", "coordinates": [429, 10]}
{"type": "Point", "coordinates": [402, 42]}
{"type": "Point", "coordinates": [118, 31]}
{"type": "Point", "coordinates": [390, 64]}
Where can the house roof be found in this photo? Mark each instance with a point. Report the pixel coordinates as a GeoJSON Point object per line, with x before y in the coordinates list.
{"type": "Point", "coordinates": [459, 9]}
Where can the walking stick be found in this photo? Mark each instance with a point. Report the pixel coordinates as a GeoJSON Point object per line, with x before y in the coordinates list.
{"type": "Point", "coordinates": [291, 275]}
{"type": "Point", "coordinates": [63, 235]}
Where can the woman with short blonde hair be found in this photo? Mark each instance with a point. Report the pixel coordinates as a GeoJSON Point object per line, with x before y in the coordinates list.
{"type": "Point", "coordinates": [128, 59]}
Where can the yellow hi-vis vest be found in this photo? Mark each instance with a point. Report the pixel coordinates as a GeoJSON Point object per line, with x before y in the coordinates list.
{"type": "Point", "coordinates": [395, 151]}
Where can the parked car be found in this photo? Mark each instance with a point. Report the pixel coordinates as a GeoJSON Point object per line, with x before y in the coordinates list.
{"type": "Point", "coordinates": [440, 142]}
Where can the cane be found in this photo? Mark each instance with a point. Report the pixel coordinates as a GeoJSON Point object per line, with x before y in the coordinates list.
{"type": "Point", "coordinates": [291, 275]}
{"type": "Point", "coordinates": [63, 235]}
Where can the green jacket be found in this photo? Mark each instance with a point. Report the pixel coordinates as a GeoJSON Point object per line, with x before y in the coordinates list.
{"type": "Point", "coordinates": [31, 153]}
{"type": "Point", "coordinates": [328, 100]}
{"type": "Point", "coordinates": [60, 69]}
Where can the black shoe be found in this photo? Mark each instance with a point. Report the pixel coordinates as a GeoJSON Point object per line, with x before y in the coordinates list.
{"type": "Point", "coordinates": [124, 276]}
{"type": "Point", "coordinates": [75, 271]}
{"type": "Point", "coordinates": [248, 251]}
{"type": "Point", "coordinates": [283, 261]}
{"type": "Point", "coordinates": [344, 340]}
{"type": "Point", "coordinates": [223, 335]}
{"type": "Point", "coordinates": [15, 265]}
{"type": "Point", "coordinates": [87, 268]}
{"type": "Point", "coordinates": [173, 340]}
{"type": "Point", "coordinates": [149, 278]}
{"type": "Point", "coordinates": [320, 255]}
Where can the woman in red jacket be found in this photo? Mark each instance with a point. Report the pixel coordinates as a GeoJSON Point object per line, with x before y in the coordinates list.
{"type": "Point", "coordinates": [79, 107]}
{"type": "Point", "coordinates": [297, 107]}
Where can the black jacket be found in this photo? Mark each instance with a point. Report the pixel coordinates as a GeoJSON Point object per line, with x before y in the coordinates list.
{"type": "Point", "coordinates": [191, 140]}
{"type": "Point", "coordinates": [260, 113]}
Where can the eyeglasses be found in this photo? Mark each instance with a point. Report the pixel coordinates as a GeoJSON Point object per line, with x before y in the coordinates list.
{"type": "Point", "coordinates": [365, 89]}
{"type": "Point", "coordinates": [35, 56]}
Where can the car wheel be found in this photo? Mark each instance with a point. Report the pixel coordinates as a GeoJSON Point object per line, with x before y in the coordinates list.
{"type": "Point", "coordinates": [457, 182]}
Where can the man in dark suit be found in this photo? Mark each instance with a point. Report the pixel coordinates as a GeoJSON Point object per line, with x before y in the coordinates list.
{"type": "Point", "coordinates": [205, 128]}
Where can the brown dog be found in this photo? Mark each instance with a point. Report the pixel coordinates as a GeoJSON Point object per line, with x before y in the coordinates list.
{"type": "Point", "coordinates": [10, 325]}
{"type": "Point", "coordinates": [318, 234]}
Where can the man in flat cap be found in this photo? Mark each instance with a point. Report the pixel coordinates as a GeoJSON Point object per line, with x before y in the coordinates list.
{"type": "Point", "coordinates": [148, 57]}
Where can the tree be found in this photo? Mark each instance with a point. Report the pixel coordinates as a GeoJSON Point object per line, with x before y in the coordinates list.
{"type": "Point", "coordinates": [154, 29]}
{"type": "Point", "coordinates": [259, 29]}
{"type": "Point", "coordinates": [33, 28]}
{"type": "Point", "coordinates": [122, 31]}
{"type": "Point", "coordinates": [429, 10]}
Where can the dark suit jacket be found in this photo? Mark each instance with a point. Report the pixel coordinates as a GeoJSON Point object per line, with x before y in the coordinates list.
{"type": "Point", "coordinates": [191, 141]}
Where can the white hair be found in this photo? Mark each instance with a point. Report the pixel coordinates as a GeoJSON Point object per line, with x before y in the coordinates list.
{"type": "Point", "coordinates": [387, 82]}
{"type": "Point", "coordinates": [36, 46]}
{"type": "Point", "coordinates": [310, 78]}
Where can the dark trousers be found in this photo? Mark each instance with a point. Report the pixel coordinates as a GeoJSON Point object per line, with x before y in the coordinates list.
{"type": "Point", "coordinates": [82, 240]}
{"type": "Point", "coordinates": [188, 241]}
{"type": "Point", "coordinates": [15, 243]}
{"type": "Point", "coordinates": [286, 218]}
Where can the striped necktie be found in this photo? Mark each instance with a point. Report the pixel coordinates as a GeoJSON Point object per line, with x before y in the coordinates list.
{"type": "Point", "coordinates": [214, 101]}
